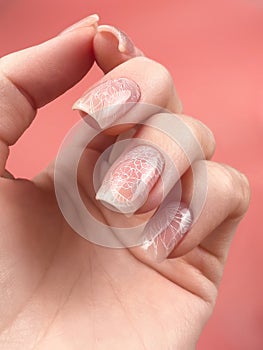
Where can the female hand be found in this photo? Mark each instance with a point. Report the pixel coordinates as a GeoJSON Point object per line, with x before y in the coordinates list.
{"type": "Point", "coordinates": [60, 291]}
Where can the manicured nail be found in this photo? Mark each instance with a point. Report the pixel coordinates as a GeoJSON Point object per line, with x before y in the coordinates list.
{"type": "Point", "coordinates": [128, 183]}
{"type": "Point", "coordinates": [125, 45]}
{"type": "Point", "coordinates": [165, 230]}
{"type": "Point", "coordinates": [108, 101]}
{"type": "Point", "coordinates": [85, 22]}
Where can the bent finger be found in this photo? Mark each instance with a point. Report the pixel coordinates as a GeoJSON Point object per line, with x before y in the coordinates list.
{"type": "Point", "coordinates": [129, 94]}
{"type": "Point", "coordinates": [33, 77]}
{"type": "Point", "coordinates": [153, 161]}
{"type": "Point", "coordinates": [226, 202]}
{"type": "Point", "coordinates": [113, 47]}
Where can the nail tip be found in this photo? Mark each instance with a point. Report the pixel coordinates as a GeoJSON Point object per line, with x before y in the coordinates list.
{"type": "Point", "coordinates": [75, 107]}
{"type": "Point", "coordinates": [88, 115]}
{"type": "Point", "coordinates": [90, 21]}
{"type": "Point", "coordinates": [121, 48]}
{"type": "Point", "coordinates": [106, 107]}
{"type": "Point", "coordinates": [125, 44]}
{"type": "Point", "coordinates": [107, 198]}
{"type": "Point", "coordinates": [166, 230]}
{"type": "Point", "coordinates": [96, 16]}
{"type": "Point", "coordinates": [78, 106]}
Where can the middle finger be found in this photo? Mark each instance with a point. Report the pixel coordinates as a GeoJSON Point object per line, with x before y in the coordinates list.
{"type": "Point", "coordinates": [122, 91]}
{"type": "Point", "coordinates": [153, 161]}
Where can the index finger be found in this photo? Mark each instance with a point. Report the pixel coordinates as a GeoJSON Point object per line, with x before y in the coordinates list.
{"type": "Point", "coordinates": [35, 76]}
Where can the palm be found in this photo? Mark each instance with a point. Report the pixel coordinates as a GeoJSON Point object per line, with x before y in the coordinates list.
{"type": "Point", "coordinates": [79, 293]}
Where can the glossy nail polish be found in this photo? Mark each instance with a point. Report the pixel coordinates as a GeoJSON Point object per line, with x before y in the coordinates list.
{"type": "Point", "coordinates": [108, 101]}
{"type": "Point", "coordinates": [127, 184]}
{"type": "Point", "coordinates": [125, 45]}
{"type": "Point", "coordinates": [165, 230]}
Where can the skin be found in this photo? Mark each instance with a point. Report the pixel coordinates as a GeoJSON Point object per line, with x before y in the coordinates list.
{"type": "Point", "coordinates": [59, 291]}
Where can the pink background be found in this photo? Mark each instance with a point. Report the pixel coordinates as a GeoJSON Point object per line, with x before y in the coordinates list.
{"type": "Point", "coordinates": [214, 50]}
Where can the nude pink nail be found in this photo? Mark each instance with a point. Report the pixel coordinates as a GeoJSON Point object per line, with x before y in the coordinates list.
{"type": "Point", "coordinates": [125, 45]}
{"type": "Point", "coordinates": [108, 101]}
{"type": "Point", "coordinates": [165, 230]}
{"type": "Point", "coordinates": [89, 21]}
{"type": "Point", "coordinates": [127, 184]}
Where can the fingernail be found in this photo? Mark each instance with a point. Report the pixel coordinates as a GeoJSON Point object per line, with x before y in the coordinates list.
{"type": "Point", "coordinates": [108, 101]}
{"type": "Point", "coordinates": [89, 21]}
{"type": "Point", "coordinates": [127, 185]}
{"type": "Point", "coordinates": [125, 45]}
{"type": "Point", "coordinates": [165, 230]}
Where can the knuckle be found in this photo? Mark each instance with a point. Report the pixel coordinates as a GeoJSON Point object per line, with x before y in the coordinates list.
{"type": "Point", "coordinates": [156, 77]}
{"type": "Point", "coordinates": [208, 141]}
{"type": "Point", "coordinates": [245, 191]}
{"type": "Point", "coordinates": [157, 70]}
{"type": "Point", "coordinates": [240, 188]}
{"type": "Point", "coordinates": [203, 134]}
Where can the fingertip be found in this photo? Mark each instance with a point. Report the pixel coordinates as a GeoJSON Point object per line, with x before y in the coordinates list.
{"type": "Point", "coordinates": [33, 77]}
{"type": "Point", "coordinates": [90, 21]}
{"type": "Point", "coordinates": [58, 64]}
{"type": "Point", "coordinates": [113, 47]}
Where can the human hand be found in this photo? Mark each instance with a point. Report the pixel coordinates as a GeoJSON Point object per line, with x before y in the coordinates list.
{"type": "Point", "coordinates": [60, 291]}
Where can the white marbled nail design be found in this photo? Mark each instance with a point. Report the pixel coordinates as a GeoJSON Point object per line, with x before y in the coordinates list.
{"type": "Point", "coordinates": [109, 100]}
{"type": "Point", "coordinates": [165, 230]}
{"type": "Point", "coordinates": [127, 184]}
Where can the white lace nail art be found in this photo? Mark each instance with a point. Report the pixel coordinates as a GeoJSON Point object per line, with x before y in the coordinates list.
{"type": "Point", "coordinates": [127, 185]}
{"type": "Point", "coordinates": [108, 101]}
{"type": "Point", "coordinates": [166, 229]}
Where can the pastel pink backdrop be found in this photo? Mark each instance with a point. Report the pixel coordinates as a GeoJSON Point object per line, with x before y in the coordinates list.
{"type": "Point", "coordinates": [214, 50]}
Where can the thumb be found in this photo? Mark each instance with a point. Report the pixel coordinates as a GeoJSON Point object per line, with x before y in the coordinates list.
{"type": "Point", "coordinates": [113, 47]}
{"type": "Point", "coordinates": [35, 76]}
